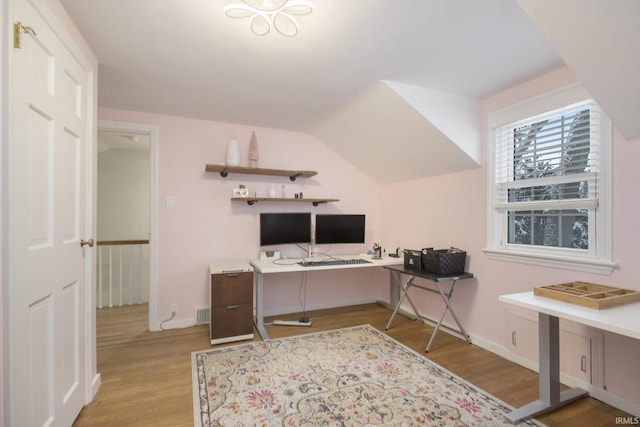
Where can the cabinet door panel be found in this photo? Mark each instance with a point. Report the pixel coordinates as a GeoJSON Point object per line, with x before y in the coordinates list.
{"type": "Point", "coordinates": [582, 353]}
{"type": "Point", "coordinates": [522, 336]}
{"type": "Point", "coordinates": [235, 288]}
{"type": "Point", "coordinates": [575, 355]}
{"type": "Point", "coordinates": [581, 348]}
{"type": "Point", "coordinates": [231, 320]}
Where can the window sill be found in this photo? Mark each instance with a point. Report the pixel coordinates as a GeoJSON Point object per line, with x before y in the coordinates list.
{"type": "Point", "coordinates": [555, 261]}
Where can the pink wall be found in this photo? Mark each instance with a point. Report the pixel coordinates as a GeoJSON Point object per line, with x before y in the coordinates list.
{"type": "Point", "coordinates": [441, 211]}
{"type": "Point", "coordinates": [451, 210]}
{"type": "Point", "coordinates": [206, 226]}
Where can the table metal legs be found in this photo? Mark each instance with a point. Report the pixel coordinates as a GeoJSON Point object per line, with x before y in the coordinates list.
{"type": "Point", "coordinates": [446, 297]}
{"type": "Point", "coordinates": [550, 396]}
{"type": "Point", "coordinates": [404, 294]}
{"type": "Point", "coordinates": [259, 317]}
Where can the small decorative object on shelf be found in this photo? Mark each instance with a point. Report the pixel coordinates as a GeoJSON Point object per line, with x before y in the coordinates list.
{"type": "Point", "coordinates": [242, 191]}
{"type": "Point", "coordinates": [254, 154]}
{"type": "Point", "coordinates": [233, 153]}
{"type": "Point", "coordinates": [272, 191]}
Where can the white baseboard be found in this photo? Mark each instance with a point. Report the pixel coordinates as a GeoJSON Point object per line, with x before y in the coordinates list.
{"type": "Point", "coordinates": [95, 385]}
{"type": "Point", "coordinates": [187, 323]}
{"type": "Point", "coordinates": [615, 401]}
{"type": "Point", "coordinates": [297, 309]}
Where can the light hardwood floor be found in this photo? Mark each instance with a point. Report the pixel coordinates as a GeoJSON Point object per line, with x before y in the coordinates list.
{"type": "Point", "coordinates": [146, 376]}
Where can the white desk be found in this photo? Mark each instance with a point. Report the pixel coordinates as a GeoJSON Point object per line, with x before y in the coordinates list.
{"type": "Point", "coordinates": [623, 320]}
{"type": "Point", "coordinates": [290, 265]}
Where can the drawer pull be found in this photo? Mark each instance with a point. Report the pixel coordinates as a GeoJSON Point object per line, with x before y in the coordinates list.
{"type": "Point", "coordinates": [583, 364]}
{"type": "Point", "coordinates": [513, 338]}
{"type": "Point", "coordinates": [231, 307]}
{"type": "Point", "coordinates": [231, 273]}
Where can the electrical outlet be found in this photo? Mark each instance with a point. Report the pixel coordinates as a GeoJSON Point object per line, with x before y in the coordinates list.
{"type": "Point", "coordinates": [174, 309]}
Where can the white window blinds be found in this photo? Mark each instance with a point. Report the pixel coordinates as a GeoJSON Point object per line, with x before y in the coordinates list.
{"type": "Point", "coordinates": [549, 161]}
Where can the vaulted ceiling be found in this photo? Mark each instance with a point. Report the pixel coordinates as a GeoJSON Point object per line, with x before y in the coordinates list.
{"type": "Point", "coordinates": [392, 86]}
{"type": "Point", "coordinates": [600, 42]}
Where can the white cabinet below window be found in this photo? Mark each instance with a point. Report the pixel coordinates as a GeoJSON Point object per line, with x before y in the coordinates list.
{"type": "Point", "coordinates": [522, 338]}
{"type": "Point", "coordinates": [581, 353]}
{"type": "Point", "coordinates": [581, 347]}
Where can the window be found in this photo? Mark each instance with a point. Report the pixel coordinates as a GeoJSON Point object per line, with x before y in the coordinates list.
{"type": "Point", "coordinates": [549, 187]}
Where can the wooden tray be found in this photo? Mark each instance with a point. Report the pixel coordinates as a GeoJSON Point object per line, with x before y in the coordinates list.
{"type": "Point", "coordinates": [588, 294]}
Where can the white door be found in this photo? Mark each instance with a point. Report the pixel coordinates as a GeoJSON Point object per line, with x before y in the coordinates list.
{"type": "Point", "coordinates": [47, 188]}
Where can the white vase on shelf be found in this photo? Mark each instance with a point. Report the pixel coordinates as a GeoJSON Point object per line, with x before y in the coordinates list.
{"type": "Point", "coordinates": [254, 154]}
{"type": "Point", "coordinates": [272, 191]}
{"type": "Point", "coordinates": [233, 153]}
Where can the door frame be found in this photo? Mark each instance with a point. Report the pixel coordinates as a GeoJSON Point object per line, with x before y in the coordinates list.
{"type": "Point", "coordinates": [152, 131]}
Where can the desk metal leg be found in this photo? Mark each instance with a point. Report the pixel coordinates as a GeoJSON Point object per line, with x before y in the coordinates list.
{"type": "Point", "coordinates": [259, 318]}
{"type": "Point", "coordinates": [413, 306]}
{"type": "Point", "coordinates": [446, 297]}
{"type": "Point", "coordinates": [550, 396]}
{"type": "Point", "coordinates": [395, 287]}
{"type": "Point", "coordinates": [405, 290]}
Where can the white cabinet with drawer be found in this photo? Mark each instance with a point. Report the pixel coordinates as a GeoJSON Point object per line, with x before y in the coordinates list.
{"type": "Point", "coordinates": [581, 347]}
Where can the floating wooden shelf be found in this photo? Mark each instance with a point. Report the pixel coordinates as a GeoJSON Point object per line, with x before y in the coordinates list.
{"type": "Point", "coordinates": [252, 200]}
{"type": "Point", "coordinates": [225, 170]}
{"type": "Point", "coordinates": [588, 294]}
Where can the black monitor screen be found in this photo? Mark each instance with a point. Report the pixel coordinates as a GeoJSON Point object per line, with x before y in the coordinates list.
{"type": "Point", "coordinates": [281, 228]}
{"type": "Point", "coordinates": [339, 228]}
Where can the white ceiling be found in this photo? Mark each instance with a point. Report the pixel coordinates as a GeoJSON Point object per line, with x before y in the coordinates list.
{"type": "Point", "coordinates": [186, 58]}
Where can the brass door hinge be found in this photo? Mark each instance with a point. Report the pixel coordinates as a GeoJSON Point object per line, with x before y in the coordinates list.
{"type": "Point", "coordinates": [18, 29]}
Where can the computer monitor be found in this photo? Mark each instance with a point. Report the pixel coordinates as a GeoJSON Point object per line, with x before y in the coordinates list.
{"type": "Point", "coordinates": [283, 228]}
{"type": "Point", "coordinates": [340, 228]}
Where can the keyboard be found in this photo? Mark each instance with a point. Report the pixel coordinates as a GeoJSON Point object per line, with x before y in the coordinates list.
{"type": "Point", "coordinates": [330, 262]}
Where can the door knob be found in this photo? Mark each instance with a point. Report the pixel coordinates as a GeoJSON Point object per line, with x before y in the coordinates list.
{"type": "Point", "coordinates": [84, 243]}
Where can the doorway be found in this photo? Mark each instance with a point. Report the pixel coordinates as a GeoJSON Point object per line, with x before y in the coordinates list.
{"type": "Point", "coordinates": [126, 219]}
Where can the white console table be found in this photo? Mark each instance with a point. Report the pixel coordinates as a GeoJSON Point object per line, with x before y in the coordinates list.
{"type": "Point", "coordinates": [290, 265]}
{"type": "Point", "coordinates": [622, 320]}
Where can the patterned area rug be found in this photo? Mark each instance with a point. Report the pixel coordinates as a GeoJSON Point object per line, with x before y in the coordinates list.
{"type": "Point", "coordinates": [348, 377]}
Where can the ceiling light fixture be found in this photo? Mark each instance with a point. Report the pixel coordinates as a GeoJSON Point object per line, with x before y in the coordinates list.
{"type": "Point", "coordinates": [267, 14]}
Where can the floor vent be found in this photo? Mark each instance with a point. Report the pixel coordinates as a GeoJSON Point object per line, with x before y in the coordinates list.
{"type": "Point", "coordinates": [202, 315]}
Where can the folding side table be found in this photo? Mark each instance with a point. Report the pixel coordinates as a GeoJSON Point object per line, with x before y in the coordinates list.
{"type": "Point", "coordinates": [446, 297]}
